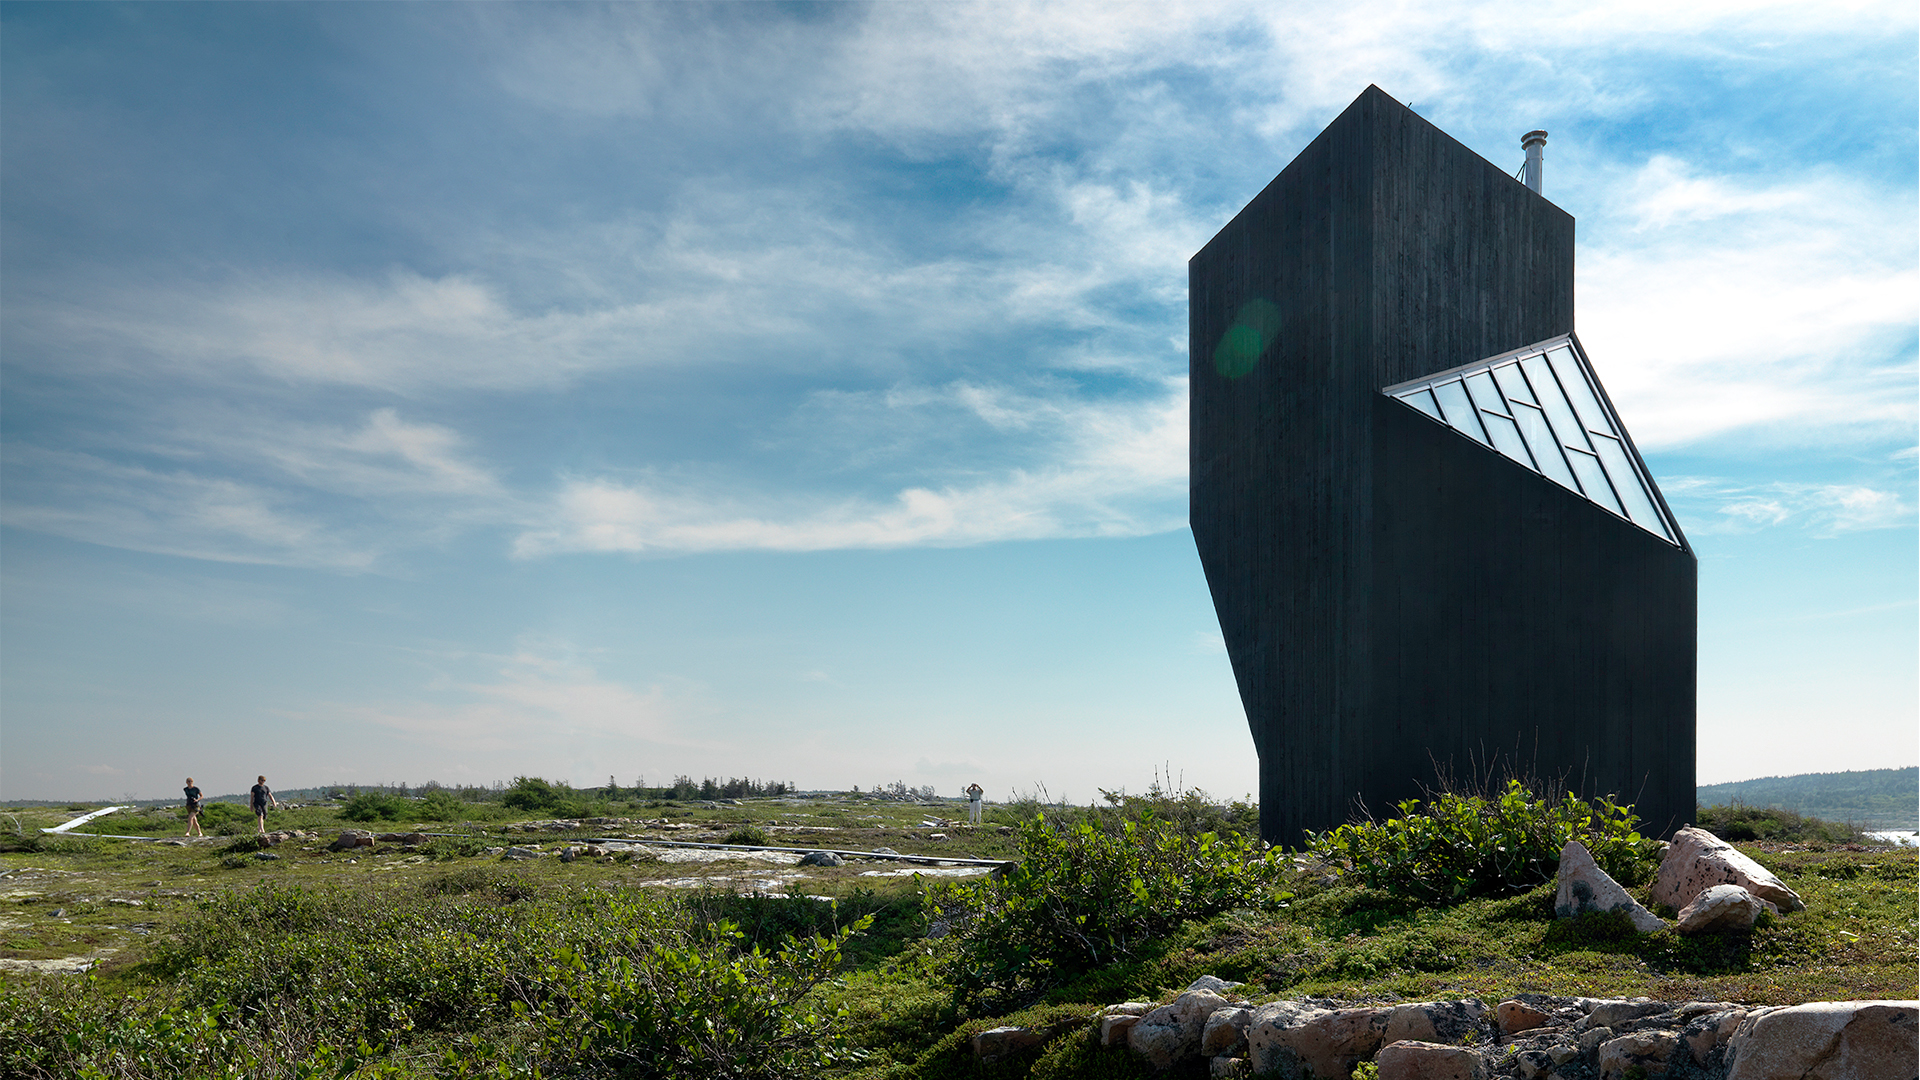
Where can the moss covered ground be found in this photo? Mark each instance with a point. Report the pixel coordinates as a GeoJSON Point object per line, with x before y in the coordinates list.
{"type": "Point", "coordinates": [138, 911]}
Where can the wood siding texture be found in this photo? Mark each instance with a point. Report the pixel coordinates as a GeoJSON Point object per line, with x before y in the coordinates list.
{"type": "Point", "coordinates": [1400, 603]}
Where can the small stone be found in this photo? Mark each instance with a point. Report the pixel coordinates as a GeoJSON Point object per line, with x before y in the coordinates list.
{"type": "Point", "coordinates": [265, 856]}
{"type": "Point", "coordinates": [1585, 887]}
{"type": "Point", "coordinates": [999, 1042]}
{"type": "Point", "coordinates": [1561, 1053]}
{"type": "Point", "coordinates": [1171, 1033]}
{"type": "Point", "coordinates": [1699, 860]}
{"type": "Point", "coordinates": [1721, 909]}
{"type": "Point", "coordinates": [1225, 1033]}
{"type": "Point", "coordinates": [521, 853]}
{"type": "Point", "coordinates": [1591, 1039]}
{"type": "Point", "coordinates": [1114, 1029]}
{"type": "Point", "coordinates": [1532, 1063]}
{"type": "Point", "coordinates": [1325, 1044]}
{"type": "Point", "coordinates": [1270, 1036]}
{"type": "Point", "coordinates": [822, 858]}
{"type": "Point", "coordinates": [1127, 1008]}
{"type": "Point", "coordinates": [1646, 1051]}
{"type": "Point", "coordinates": [1409, 1060]}
{"type": "Point", "coordinates": [1433, 1021]}
{"type": "Point", "coordinates": [1213, 983]}
{"type": "Point", "coordinates": [1517, 1016]}
{"type": "Point", "coordinates": [1611, 1014]}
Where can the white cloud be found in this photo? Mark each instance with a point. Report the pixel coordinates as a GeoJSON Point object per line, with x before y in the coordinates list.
{"type": "Point", "coordinates": [1711, 505]}
{"type": "Point", "coordinates": [1780, 311]}
{"type": "Point", "coordinates": [1118, 466]}
{"type": "Point", "coordinates": [241, 489]}
{"type": "Point", "coordinates": [87, 498]}
{"type": "Point", "coordinates": [540, 692]}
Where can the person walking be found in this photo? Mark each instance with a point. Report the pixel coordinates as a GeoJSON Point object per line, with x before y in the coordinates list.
{"type": "Point", "coordinates": [262, 795]}
{"type": "Point", "coordinates": [193, 808]}
{"type": "Point", "coordinates": [974, 793]}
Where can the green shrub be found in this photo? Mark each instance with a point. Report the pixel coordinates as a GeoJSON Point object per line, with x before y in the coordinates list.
{"type": "Point", "coordinates": [532, 793]}
{"type": "Point", "coordinates": [1192, 811]}
{"type": "Point", "coordinates": [748, 834]}
{"type": "Point", "coordinates": [681, 1005]}
{"type": "Point", "coordinates": [1455, 847]}
{"type": "Point", "coordinates": [1739, 821]}
{"type": "Point", "coordinates": [478, 963]}
{"type": "Point", "coordinates": [438, 805]}
{"type": "Point", "coordinates": [1083, 897]}
{"type": "Point", "coordinates": [376, 806]}
{"type": "Point", "coordinates": [224, 818]}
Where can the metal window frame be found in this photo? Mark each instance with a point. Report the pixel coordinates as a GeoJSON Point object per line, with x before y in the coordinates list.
{"type": "Point", "coordinates": [1642, 475]}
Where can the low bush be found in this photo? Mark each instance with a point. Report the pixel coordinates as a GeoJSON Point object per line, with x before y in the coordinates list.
{"type": "Point", "coordinates": [1740, 822]}
{"type": "Point", "coordinates": [1454, 847]}
{"type": "Point", "coordinates": [468, 970]}
{"type": "Point", "coordinates": [752, 835]}
{"type": "Point", "coordinates": [440, 805]}
{"type": "Point", "coordinates": [1081, 897]}
{"type": "Point", "coordinates": [375, 806]}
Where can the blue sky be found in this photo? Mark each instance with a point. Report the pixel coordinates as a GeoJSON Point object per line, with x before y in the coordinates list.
{"type": "Point", "coordinates": [441, 392]}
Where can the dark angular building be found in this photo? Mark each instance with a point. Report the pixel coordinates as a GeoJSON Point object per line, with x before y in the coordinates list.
{"type": "Point", "coordinates": [1433, 549]}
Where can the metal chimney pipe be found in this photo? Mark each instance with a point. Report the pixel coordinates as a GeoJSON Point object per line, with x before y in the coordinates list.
{"type": "Point", "coordinates": [1535, 144]}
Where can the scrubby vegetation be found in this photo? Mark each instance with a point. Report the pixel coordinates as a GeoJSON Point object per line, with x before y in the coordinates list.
{"type": "Point", "coordinates": [1453, 847]}
{"type": "Point", "coordinates": [1739, 821]}
{"type": "Point", "coordinates": [432, 962]}
{"type": "Point", "coordinates": [1085, 896]}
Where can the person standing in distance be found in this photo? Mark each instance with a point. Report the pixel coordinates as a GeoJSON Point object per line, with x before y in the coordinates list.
{"type": "Point", "coordinates": [193, 808]}
{"type": "Point", "coordinates": [974, 792]}
{"type": "Point", "coordinates": [262, 795]}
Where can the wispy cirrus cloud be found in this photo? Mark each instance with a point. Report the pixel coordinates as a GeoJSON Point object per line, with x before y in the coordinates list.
{"type": "Point", "coordinates": [1779, 311]}
{"type": "Point", "coordinates": [235, 488]}
{"type": "Point", "coordinates": [546, 687]}
{"type": "Point", "coordinates": [1121, 470]}
{"type": "Point", "coordinates": [1718, 505]}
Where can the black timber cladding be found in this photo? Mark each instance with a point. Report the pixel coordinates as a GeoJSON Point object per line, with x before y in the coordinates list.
{"type": "Point", "coordinates": [1398, 602]}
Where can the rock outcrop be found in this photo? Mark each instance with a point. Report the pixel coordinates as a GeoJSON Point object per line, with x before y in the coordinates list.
{"type": "Point", "coordinates": [1698, 860]}
{"type": "Point", "coordinates": [1721, 908]}
{"type": "Point", "coordinates": [1828, 1040]}
{"type": "Point", "coordinates": [1527, 1037]}
{"type": "Point", "coordinates": [1585, 887]}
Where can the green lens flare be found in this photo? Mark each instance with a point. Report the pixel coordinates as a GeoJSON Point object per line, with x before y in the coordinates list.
{"type": "Point", "coordinates": [1246, 341]}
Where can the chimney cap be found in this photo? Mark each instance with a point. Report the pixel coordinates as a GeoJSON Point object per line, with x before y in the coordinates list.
{"type": "Point", "coordinates": [1532, 138]}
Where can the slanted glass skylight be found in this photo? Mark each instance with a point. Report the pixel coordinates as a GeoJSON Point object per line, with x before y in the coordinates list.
{"type": "Point", "coordinates": [1542, 408]}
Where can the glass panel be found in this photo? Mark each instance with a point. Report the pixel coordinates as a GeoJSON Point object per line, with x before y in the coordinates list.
{"type": "Point", "coordinates": [1422, 400]}
{"type": "Point", "coordinates": [1579, 392]}
{"type": "Point", "coordinates": [1506, 438]}
{"type": "Point", "coordinates": [1460, 412]}
{"type": "Point", "coordinates": [1587, 468]}
{"type": "Point", "coordinates": [1480, 384]}
{"type": "Point", "coordinates": [1546, 448]}
{"type": "Point", "coordinates": [1627, 483]}
{"type": "Point", "coordinates": [1514, 384]}
{"type": "Point", "coordinates": [1564, 425]}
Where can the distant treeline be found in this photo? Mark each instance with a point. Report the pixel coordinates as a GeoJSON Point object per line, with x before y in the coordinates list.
{"type": "Point", "coordinates": [682, 787]}
{"type": "Point", "coordinates": [544, 792]}
{"type": "Point", "coordinates": [1871, 798]}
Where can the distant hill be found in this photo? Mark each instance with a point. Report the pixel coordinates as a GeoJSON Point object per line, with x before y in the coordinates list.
{"type": "Point", "coordinates": [1872, 798]}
